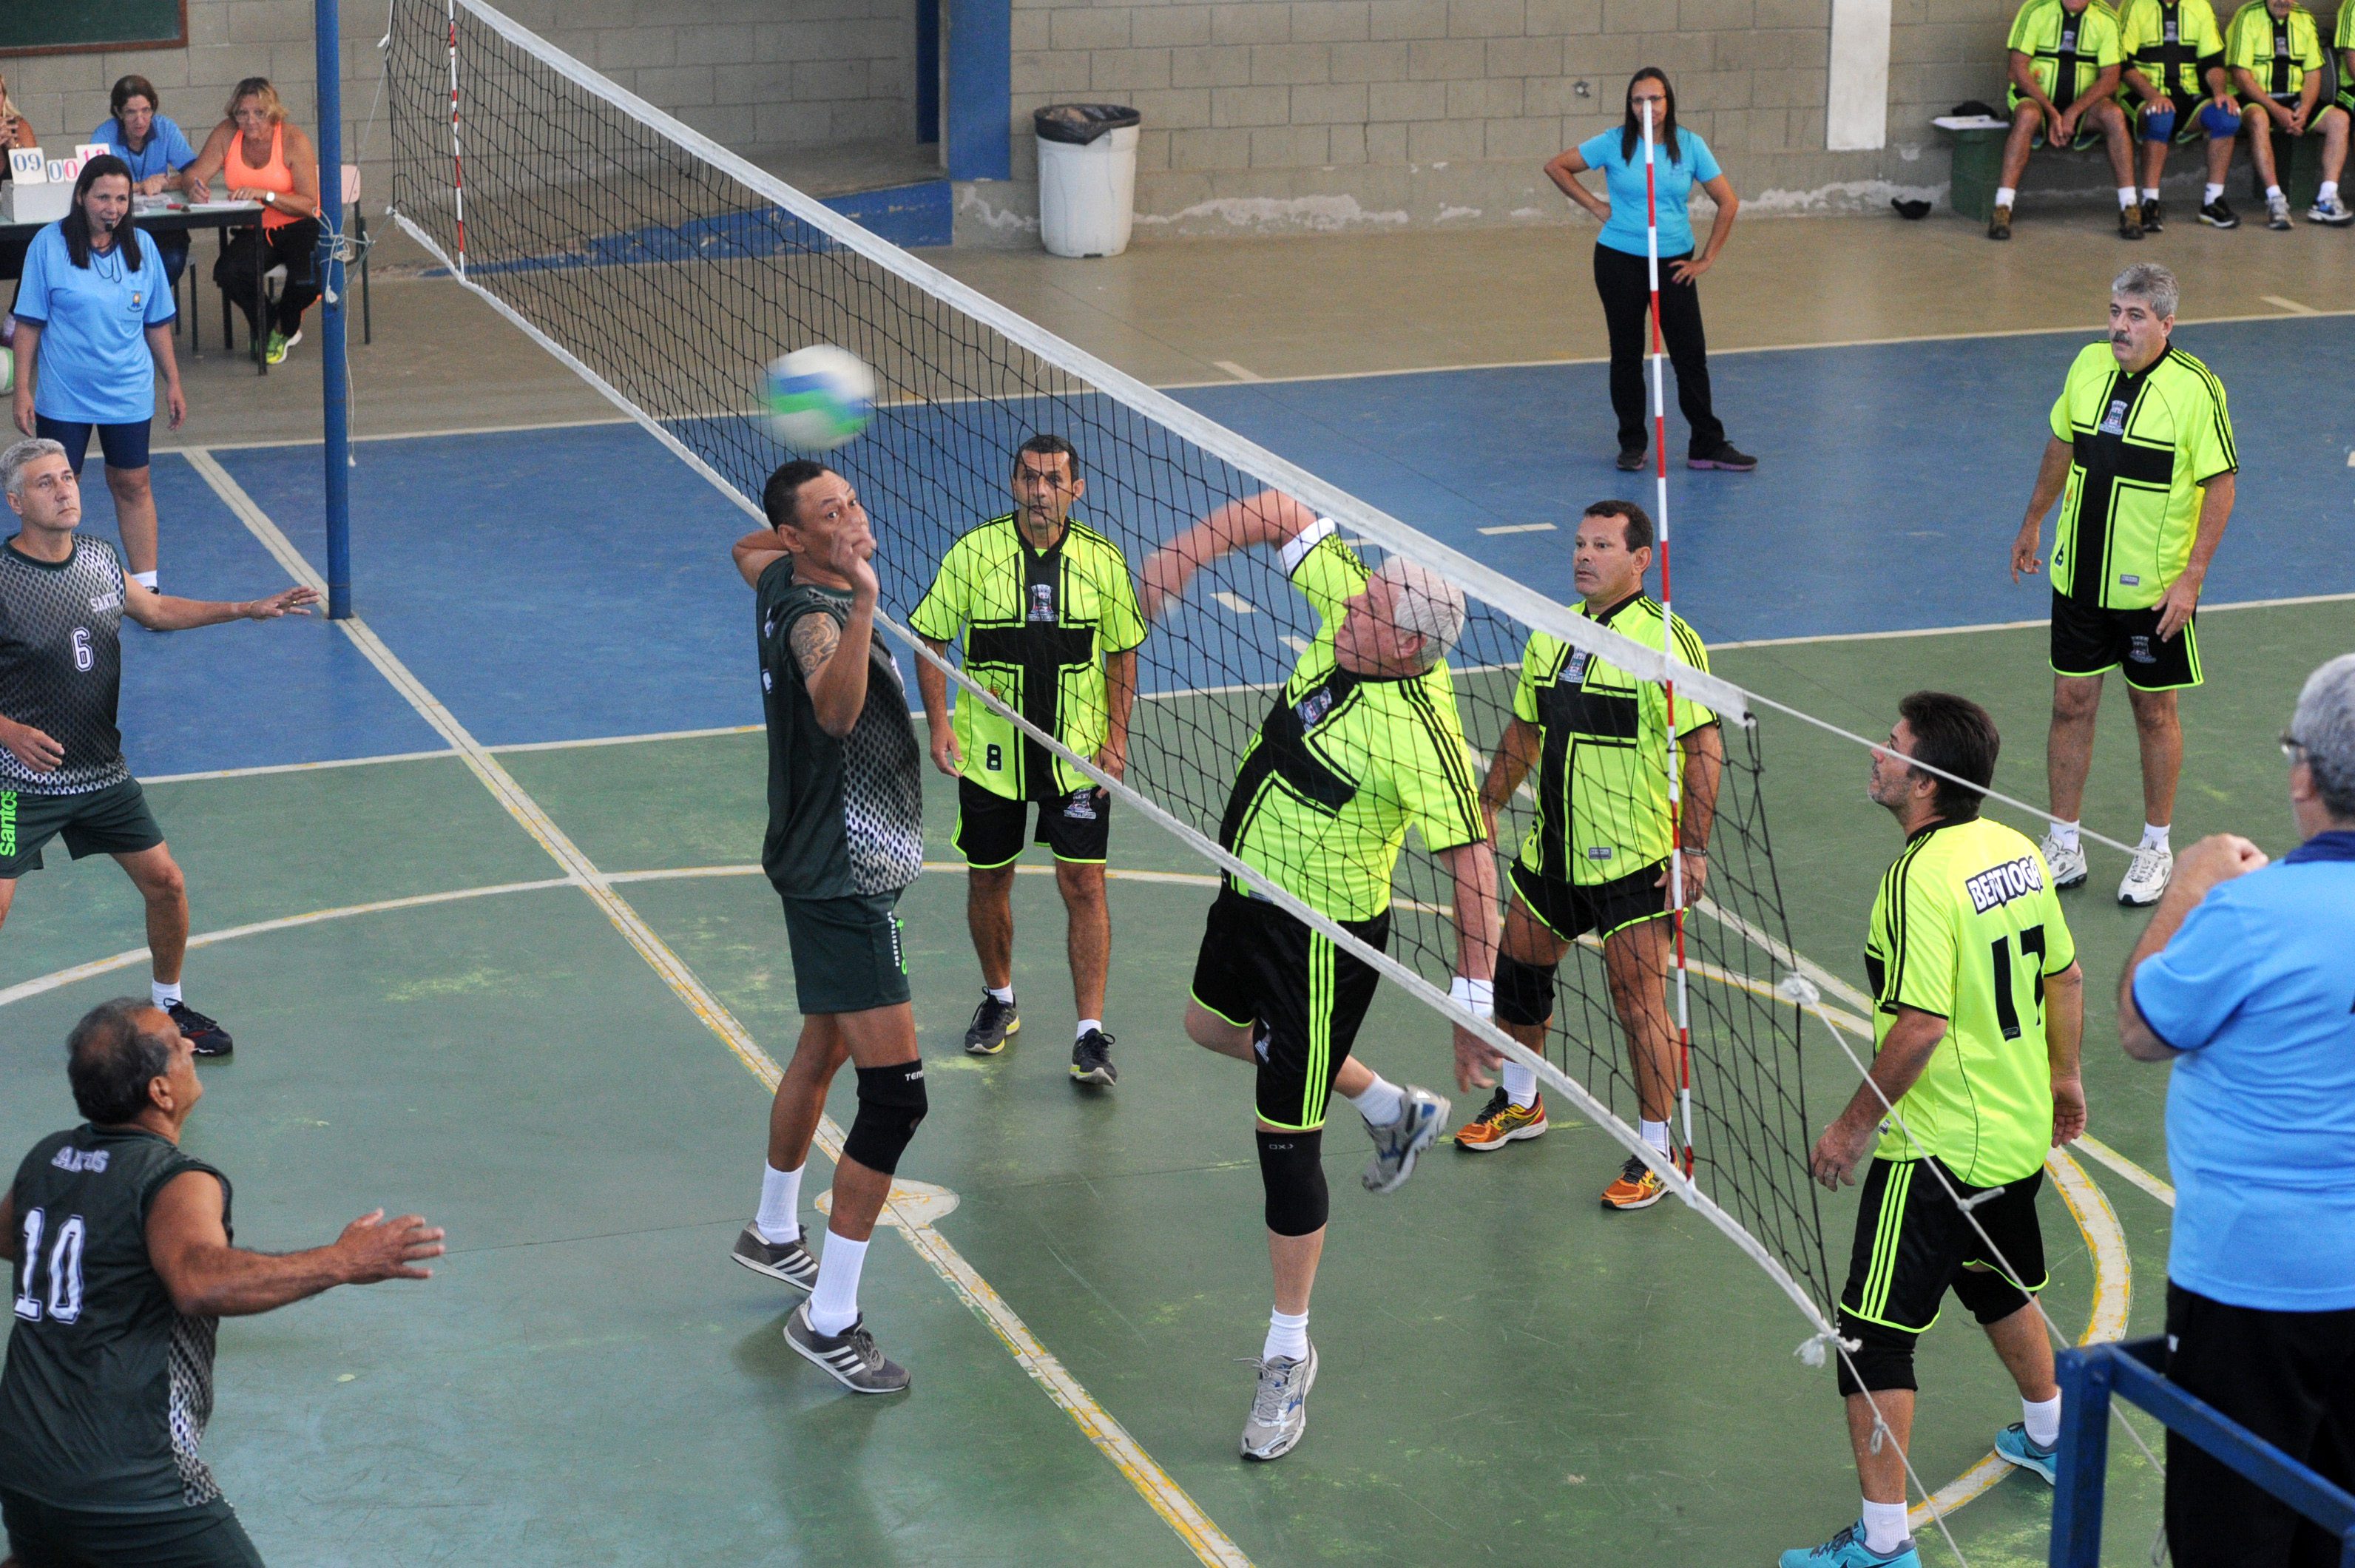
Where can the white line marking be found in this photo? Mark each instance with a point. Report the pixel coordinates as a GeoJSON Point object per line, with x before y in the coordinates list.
{"type": "Point", "coordinates": [404, 435]}
{"type": "Point", "coordinates": [2290, 305]}
{"type": "Point", "coordinates": [2127, 1168]}
{"type": "Point", "coordinates": [1297, 644]}
{"type": "Point", "coordinates": [290, 767]}
{"type": "Point", "coordinates": [1241, 606]}
{"type": "Point", "coordinates": [626, 739]}
{"type": "Point", "coordinates": [1521, 528]}
{"type": "Point", "coordinates": [1237, 371]}
{"type": "Point", "coordinates": [1161, 1492]}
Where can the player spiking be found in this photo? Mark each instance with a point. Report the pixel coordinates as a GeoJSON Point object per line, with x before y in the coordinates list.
{"type": "Point", "coordinates": [1596, 858]}
{"type": "Point", "coordinates": [1362, 742]}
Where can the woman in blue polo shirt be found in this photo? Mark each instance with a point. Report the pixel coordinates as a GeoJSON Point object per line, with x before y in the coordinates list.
{"type": "Point", "coordinates": [1623, 273]}
{"type": "Point", "coordinates": [157, 153]}
{"type": "Point", "coordinates": [93, 289]}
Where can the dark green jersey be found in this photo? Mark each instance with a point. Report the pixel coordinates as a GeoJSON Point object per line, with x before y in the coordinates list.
{"type": "Point", "coordinates": [108, 1387]}
{"type": "Point", "coordinates": [845, 816]}
{"type": "Point", "coordinates": [2145, 447]}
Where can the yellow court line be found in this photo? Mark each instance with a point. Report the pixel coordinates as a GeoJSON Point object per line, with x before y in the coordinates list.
{"type": "Point", "coordinates": [1162, 1493]}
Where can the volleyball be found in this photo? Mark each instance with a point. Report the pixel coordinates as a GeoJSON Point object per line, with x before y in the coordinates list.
{"type": "Point", "coordinates": [819, 397]}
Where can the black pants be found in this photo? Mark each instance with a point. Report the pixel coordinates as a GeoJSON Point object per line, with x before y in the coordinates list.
{"type": "Point", "coordinates": [1624, 283]}
{"type": "Point", "coordinates": [252, 252]}
{"type": "Point", "coordinates": [2290, 1377]}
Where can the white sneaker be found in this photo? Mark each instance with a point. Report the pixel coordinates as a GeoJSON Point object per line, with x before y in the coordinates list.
{"type": "Point", "coordinates": [1279, 1414]}
{"type": "Point", "coordinates": [2068, 865]}
{"type": "Point", "coordinates": [2335, 212]}
{"type": "Point", "coordinates": [2146, 878]}
{"type": "Point", "coordinates": [2277, 212]}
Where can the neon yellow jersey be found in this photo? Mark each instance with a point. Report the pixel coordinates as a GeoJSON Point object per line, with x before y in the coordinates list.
{"type": "Point", "coordinates": [2144, 448]}
{"type": "Point", "coordinates": [2277, 50]}
{"type": "Point", "coordinates": [1966, 925]}
{"type": "Point", "coordinates": [1035, 626]}
{"type": "Point", "coordinates": [1602, 778]}
{"type": "Point", "coordinates": [2067, 50]}
{"type": "Point", "coordinates": [2174, 43]}
{"type": "Point", "coordinates": [1345, 763]}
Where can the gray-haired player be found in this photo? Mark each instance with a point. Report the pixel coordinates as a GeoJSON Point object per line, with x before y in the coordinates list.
{"type": "Point", "coordinates": [62, 600]}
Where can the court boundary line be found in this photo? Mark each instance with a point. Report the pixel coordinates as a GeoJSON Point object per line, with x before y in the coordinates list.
{"type": "Point", "coordinates": [1160, 1491]}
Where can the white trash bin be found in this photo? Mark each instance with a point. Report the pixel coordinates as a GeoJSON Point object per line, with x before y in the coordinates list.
{"type": "Point", "coordinates": [1087, 178]}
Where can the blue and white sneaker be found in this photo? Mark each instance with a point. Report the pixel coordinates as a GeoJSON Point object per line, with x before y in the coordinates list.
{"type": "Point", "coordinates": [1398, 1145]}
{"type": "Point", "coordinates": [1847, 1550]}
{"type": "Point", "coordinates": [1279, 1414]}
{"type": "Point", "coordinates": [2013, 1447]}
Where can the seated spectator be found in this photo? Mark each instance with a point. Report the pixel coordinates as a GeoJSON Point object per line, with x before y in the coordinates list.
{"type": "Point", "coordinates": [2065, 60]}
{"type": "Point", "coordinates": [2175, 65]}
{"type": "Point", "coordinates": [262, 158]}
{"type": "Point", "coordinates": [2274, 52]}
{"type": "Point", "coordinates": [2329, 206]}
{"type": "Point", "coordinates": [158, 155]}
{"type": "Point", "coordinates": [15, 131]}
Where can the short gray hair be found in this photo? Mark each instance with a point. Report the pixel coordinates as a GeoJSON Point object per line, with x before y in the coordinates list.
{"type": "Point", "coordinates": [2324, 728]}
{"type": "Point", "coordinates": [1426, 603]}
{"type": "Point", "coordinates": [2151, 283]}
{"type": "Point", "coordinates": [19, 457]}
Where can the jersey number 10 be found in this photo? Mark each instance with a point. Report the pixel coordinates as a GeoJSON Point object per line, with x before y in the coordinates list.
{"type": "Point", "coordinates": [2031, 946]}
{"type": "Point", "coordinates": [62, 1300]}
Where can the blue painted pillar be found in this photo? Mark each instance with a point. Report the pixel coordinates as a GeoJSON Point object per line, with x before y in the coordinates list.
{"type": "Point", "coordinates": [981, 88]}
{"type": "Point", "coordinates": [332, 368]}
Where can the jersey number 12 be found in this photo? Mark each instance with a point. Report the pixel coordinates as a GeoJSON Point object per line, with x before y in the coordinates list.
{"type": "Point", "coordinates": [62, 1300]}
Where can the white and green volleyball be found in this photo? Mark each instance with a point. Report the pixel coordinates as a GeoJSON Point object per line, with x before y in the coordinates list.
{"type": "Point", "coordinates": [819, 397]}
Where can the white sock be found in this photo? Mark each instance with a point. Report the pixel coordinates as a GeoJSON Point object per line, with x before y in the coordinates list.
{"type": "Point", "coordinates": [165, 992]}
{"type": "Point", "coordinates": [2154, 835]}
{"type": "Point", "coordinates": [1884, 1526]}
{"type": "Point", "coordinates": [781, 1201]}
{"type": "Point", "coordinates": [2064, 835]}
{"type": "Point", "coordinates": [2211, 194]}
{"type": "Point", "coordinates": [2329, 189]}
{"type": "Point", "coordinates": [2003, 195]}
{"type": "Point", "coordinates": [1655, 1134]}
{"type": "Point", "coordinates": [145, 579]}
{"type": "Point", "coordinates": [2126, 196]}
{"type": "Point", "coordinates": [1003, 993]}
{"type": "Point", "coordinates": [1085, 1025]}
{"type": "Point", "coordinates": [833, 1305]}
{"type": "Point", "coordinates": [1287, 1337]}
{"type": "Point", "coordinates": [2042, 1420]}
{"type": "Point", "coordinates": [2150, 193]}
{"type": "Point", "coordinates": [1521, 1082]}
{"type": "Point", "coordinates": [1380, 1104]}
{"type": "Point", "coordinates": [2273, 193]}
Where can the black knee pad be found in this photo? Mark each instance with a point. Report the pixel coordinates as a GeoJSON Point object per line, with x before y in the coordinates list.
{"type": "Point", "coordinates": [891, 1102]}
{"type": "Point", "coordinates": [1884, 1360]}
{"type": "Point", "coordinates": [1989, 1295]}
{"type": "Point", "coordinates": [1292, 1169]}
{"type": "Point", "coordinates": [1524, 992]}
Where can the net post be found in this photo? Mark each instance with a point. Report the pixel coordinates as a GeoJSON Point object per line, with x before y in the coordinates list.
{"type": "Point", "coordinates": [333, 373]}
{"type": "Point", "coordinates": [2085, 1375]}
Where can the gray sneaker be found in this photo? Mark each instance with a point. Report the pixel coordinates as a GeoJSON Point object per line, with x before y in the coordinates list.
{"type": "Point", "coordinates": [1400, 1143]}
{"type": "Point", "coordinates": [1280, 1409]}
{"type": "Point", "coordinates": [849, 1358]}
{"type": "Point", "coordinates": [787, 1261]}
{"type": "Point", "coordinates": [993, 1021]}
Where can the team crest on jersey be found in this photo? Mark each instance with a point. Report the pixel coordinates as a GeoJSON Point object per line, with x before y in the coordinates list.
{"type": "Point", "coordinates": [2174, 34]}
{"type": "Point", "coordinates": [1313, 707]}
{"type": "Point", "coordinates": [1575, 670]}
{"type": "Point", "coordinates": [89, 1160]}
{"type": "Point", "coordinates": [2115, 422]}
{"type": "Point", "coordinates": [1998, 885]}
{"type": "Point", "coordinates": [1042, 602]}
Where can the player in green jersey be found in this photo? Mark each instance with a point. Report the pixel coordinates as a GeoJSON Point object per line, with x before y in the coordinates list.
{"type": "Point", "coordinates": [1596, 858]}
{"type": "Point", "coordinates": [1978, 1006]}
{"type": "Point", "coordinates": [1361, 743]}
{"type": "Point", "coordinates": [124, 1267]}
{"type": "Point", "coordinates": [2175, 67]}
{"type": "Point", "coordinates": [2273, 50]}
{"type": "Point", "coordinates": [1050, 628]}
{"type": "Point", "coordinates": [2142, 460]}
{"type": "Point", "coordinates": [2064, 56]}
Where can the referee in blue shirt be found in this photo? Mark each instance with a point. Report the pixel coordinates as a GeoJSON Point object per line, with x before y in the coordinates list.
{"type": "Point", "coordinates": [157, 153]}
{"type": "Point", "coordinates": [2245, 980]}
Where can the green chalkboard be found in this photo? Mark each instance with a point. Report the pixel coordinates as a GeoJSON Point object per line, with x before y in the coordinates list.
{"type": "Point", "coordinates": [66, 27]}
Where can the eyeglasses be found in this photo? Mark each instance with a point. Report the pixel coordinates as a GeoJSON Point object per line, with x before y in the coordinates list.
{"type": "Point", "coordinates": [2292, 747]}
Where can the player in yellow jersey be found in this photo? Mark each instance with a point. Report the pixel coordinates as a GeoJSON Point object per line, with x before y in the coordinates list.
{"type": "Point", "coordinates": [2273, 50]}
{"type": "Point", "coordinates": [2064, 56]}
{"type": "Point", "coordinates": [2175, 67]}
{"type": "Point", "coordinates": [1978, 1009]}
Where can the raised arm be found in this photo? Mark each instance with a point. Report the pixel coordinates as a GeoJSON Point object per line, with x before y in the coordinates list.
{"type": "Point", "coordinates": [756, 553]}
{"type": "Point", "coordinates": [164, 612]}
{"type": "Point", "coordinates": [189, 1246]}
{"type": "Point", "coordinates": [1270, 518]}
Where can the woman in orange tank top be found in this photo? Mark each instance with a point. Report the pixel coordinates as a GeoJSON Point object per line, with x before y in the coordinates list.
{"type": "Point", "coordinates": [260, 156]}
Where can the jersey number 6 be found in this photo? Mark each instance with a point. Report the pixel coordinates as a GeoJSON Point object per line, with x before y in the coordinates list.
{"type": "Point", "coordinates": [85, 659]}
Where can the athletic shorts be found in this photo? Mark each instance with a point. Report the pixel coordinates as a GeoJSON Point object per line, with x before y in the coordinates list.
{"type": "Point", "coordinates": [111, 821]}
{"type": "Point", "coordinates": [1076, 827]}
{"type": "Point", "coordinates": [2088, 134]}
{"type": "Point", "coordinates": [1569, 909]}
{"type": "Point", "coordinates": [1258, 965]}
{"type": "Point", "coordinates": [2289, 101]}
{"type": "Point", "coordinates": [847, 955]}
{"type": "Point", "coordinates": [42, 1536]}
{"type": "Point", "coordinates": [2088, 640]}
{"type": "Point", "coordinates": [2290, 1377]}
{"type": "Point", "coordinates": [1912, 1245]}
{"type": "Point", "coordinates": [122, 446]}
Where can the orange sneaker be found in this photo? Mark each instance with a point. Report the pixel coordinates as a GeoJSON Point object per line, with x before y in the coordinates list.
{"type": "Point", "coordinates": [1638, 1187]}
{"type": "Point", "coordinates": [1500, 1122]}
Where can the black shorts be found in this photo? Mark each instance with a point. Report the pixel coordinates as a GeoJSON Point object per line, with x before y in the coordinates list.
{"type": "Point", "coordinates": [122, 446]}
{"type": "Point", "coordinates": [111, 821]}
{"type": "Point", "coordinates": [1076, 827]}
{"type": "Point", "coordinates": [1258, 965]}
{"type": "Point", "coordinates": [2088, 640]}
{"type": "Point", "coordinates": [847, 955]}
{"type": "Point", "coordinates": [1912, 1245]}
{"type": "Point", "coordinates": [1570, 910]}
{"type": "Point", "coordinates": [42, 1536]}
{"type": "Point", "coordinates": [2290, 1377]}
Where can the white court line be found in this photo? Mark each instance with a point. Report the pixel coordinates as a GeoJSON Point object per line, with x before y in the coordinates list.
{"type": "Point", "coordinates": [1162, 1493]}
{"type": "Point", "coordinates": [290, 767]}
{"type": "Point", "coordinates": [1237, 371]}
{"type": "Point", "coordinates": [628, 740]}
{"type": "Point", "coordinates": [1521, 528]}
{"type": "Point", "coordinates": [2290, 305]}
{"type": "Point", "coordinates": [1236, 602]}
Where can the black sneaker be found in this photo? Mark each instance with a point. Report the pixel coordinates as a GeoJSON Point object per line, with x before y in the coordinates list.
{"type": "Point", "coordinates": [993, 1021]}
{"type": "Point", "coordinates": [2129, 222]}
{"type": "Point", "coordinates": [2154, 216]}
{"type": "Point", "coordinates": [206, 1036]}
{"type": "Point", "coordinates": [1631, 459]}
{"type": "Point", "coordinates": [1091, 1060]}
{"type": "Point", "coordinates": [2219, 214]}
{"type": "Point", "coordinates": [1724, 455]}
{"type": "Point", "coordinates": [849, 1358]}
{"type": "Point", "coordinates": [787, 1261]}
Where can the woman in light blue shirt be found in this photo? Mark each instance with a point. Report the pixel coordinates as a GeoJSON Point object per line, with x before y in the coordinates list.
{"type": "Point", "coordinates": [1623, 273]}
{"type": "Point", "coordinates": [147, 139]}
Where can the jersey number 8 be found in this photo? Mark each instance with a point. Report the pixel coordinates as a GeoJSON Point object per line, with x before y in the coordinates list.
{"type": "Point", "coordinates": [63, 1303]}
